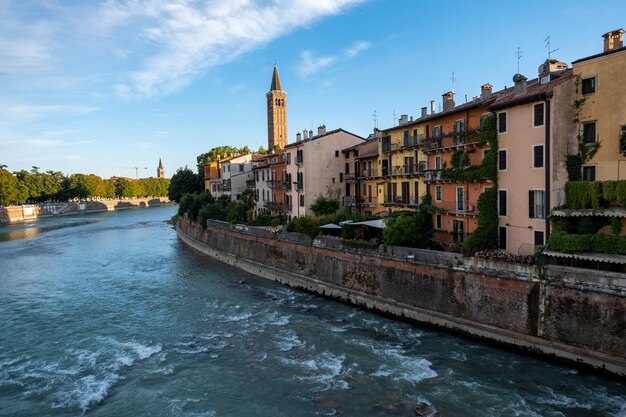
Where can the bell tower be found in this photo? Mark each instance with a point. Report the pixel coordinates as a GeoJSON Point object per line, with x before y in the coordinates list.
{"type": "Point", "coordinates": [276, 114]}
{"type": "Point", "coordinates": [160, 170]}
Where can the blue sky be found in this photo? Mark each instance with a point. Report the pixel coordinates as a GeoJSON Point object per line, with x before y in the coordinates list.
{"type": "Point", "coordinates": [99, 87]}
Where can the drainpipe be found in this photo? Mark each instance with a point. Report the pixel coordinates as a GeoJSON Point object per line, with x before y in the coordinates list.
{"type": "Point", "coordinates": [547, 169]}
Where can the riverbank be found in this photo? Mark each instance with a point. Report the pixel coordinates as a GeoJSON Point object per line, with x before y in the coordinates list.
{"type": "Point", "coordinates": [557, 312]}
{"type": "Point", "coordinates": [14, 214]}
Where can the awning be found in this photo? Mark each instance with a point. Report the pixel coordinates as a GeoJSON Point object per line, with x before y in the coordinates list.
{"type": "Point", "coordinates": [378, 224]}
{"type": "Point", "coordinates": [330, 226]}
{"type": "Point", "coordinates": [606, 212]}
{"type": "Point", "coordinates": [588, 256]}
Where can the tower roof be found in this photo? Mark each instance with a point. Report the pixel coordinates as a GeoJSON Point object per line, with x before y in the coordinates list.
{"type": "Point", "coordinates": [160, 164]}
{"type": "Point", "coordinates": [275, 81]}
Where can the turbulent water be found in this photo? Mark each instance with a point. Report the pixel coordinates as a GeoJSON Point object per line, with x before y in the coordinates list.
{"type": "Point", "coordinates": [111, 315]}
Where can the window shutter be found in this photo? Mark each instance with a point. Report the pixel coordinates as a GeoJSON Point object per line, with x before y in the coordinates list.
{"type": "Point", "coordinates": [531, 204]}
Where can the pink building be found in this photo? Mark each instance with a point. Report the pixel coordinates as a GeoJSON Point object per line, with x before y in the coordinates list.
{"type": "Point", "coordinates": [535, 132]}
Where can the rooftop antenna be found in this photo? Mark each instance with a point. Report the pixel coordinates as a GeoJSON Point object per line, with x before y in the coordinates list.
{"type": "Point", "coordinates": [547, 41]}
{"type": "Point", "coordinates": [453, 80]}
{"type": "Point", "coordinates": [518, 53]}
{"type": "Point", "coordinates": [375, 116]}
{"type": "Point", "coordinates": [394, 117]}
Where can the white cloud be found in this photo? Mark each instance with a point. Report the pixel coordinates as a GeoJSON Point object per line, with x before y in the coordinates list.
{"type": "Point", "coordinates": [189, 36]}
{"type": "Point", "coordinates": [310, 64]}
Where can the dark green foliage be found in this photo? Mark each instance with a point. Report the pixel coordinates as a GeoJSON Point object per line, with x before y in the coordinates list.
{"type": "Point", "coordinates": [564, 242]}
{"type": "Point", "coordinates": [184, 181]}
{"type": "Point", "coordinates": [586, 226]}
{"type": "Point", "coordinates": [609, 191]}
{"type": "Point", "coordinates": [411, 229]}
{"type": "Point", "coordinates": [574, 165]}
{"type": "Point", "coordinates": [486, 234]}
{"type": "Point", "coordinates": [595, 194]}
{"type": "Point", "coordinates": [213, 155]}
{"type": "Point", "coordinates": [12, 190]}
{"type": "Point", "coordinates": [620, 190]}
{"type": "Point", "coordinates": [358, 243]}
{"type": "Point", "coordinates": [306, 225]}
{"type": "Point", "coordinates": [237, 213]}
{"type": "Point", "coordinates": [324, 206]}
{"type": "Point", "coordinates": [616, 226]}
{"type": "Point", "coordinates": [213, 211]}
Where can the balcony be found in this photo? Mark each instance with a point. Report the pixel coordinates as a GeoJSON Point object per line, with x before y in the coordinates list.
{"type": "Point", "coordinates": [349, 177]}
{"type": "Point", "coordinates": [409, 169]}
{"type": "Point", "coordinates": [432, 175]}
{"type": "Point", "coordinates": [452, 207]}
{"type": "Point", "coordinates": [277, 206]}
{"type": "Point", "coordinates": [351, 200]}
{"type": "Point", "coordinates": [401, 201]}
{"type": "Point", "coordinates": [452, 140]}
{"type": "Point", "coordinates": [368, 173]}
{"type": "Point", "coordinates": [299, 160]}
{"type": "Point", "coordinates": [299, 186]}
{"type": "Point", "coordinates": [274, 184]}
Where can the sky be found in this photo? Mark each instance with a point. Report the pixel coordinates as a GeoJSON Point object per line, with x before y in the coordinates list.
{"type": "Point", "coordinates": [105, 86]}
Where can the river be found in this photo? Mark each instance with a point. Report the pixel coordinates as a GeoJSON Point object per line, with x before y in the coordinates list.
{"type": "Point", "coordinates": [110, 314]}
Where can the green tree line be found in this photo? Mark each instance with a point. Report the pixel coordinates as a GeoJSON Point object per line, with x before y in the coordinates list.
{"type": "Point", "coordinates": [36, 187]}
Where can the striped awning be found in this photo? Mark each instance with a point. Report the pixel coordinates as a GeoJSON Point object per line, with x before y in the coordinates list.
{"type": "Point", "coordinates": [588, 256]}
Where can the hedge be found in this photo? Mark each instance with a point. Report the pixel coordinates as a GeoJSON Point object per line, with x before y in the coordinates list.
{"type": "Point", "coordinates": [600, 243]}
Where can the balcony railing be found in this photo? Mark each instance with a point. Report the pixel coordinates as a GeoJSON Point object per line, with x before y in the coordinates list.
{"type": "Point", "coordinates": [275, 184]}
{"type": "Point", "coordinates": [299, 160]}
{"type": "Point", "coordinates": [451, 139]}
{"type": "Point", "coordinates": [351, 200]}
{"type": "Point", "coordinates": [409, 169]}
{"type": "Point", "coordinates": [299, 186]}
{"type": "Point", "coordinates": [401, 201]}
{"type": "Point", "coordinates": [277, 206]}
{"type": "Point", "coordinates": [349, 177]}
{"type": "Point", "coordinates": [368, 173]}
{"type": "Point", "coordinates": [455, 207]}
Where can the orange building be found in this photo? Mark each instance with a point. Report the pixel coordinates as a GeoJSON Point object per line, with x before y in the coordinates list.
{"type": "Point", "coordinates": [454, 149]}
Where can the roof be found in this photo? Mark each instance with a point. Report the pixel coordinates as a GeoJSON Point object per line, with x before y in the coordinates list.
{"type": "Point", "coordinates": [160, 164]}
{"type": "Point", "coordinates": [332, 132]}
{"type": "Point", "coordinates": [614, 51]}
{"type": "Point", "coordinates": [534, 91]}
{"type": "Point", "coordinates": [378, 224]}
{"type": "Point", "coordinates": [275, 81]}
{"type": "Point", "coordinates": [605, 212]}
{"type": "Point", "coordinates": [368, 149]}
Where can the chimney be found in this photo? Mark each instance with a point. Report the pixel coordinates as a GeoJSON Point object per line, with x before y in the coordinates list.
{"type": "Point", "coordinates": [305, 134]}
{"type": "Point", "coordinates": [432, 107]}
{"type": "Point", "coordinates": [552, 67]}
{"type": "Point", "coordinates": [448, 100]}
{"type": "Point", "coordinates": [520, 84]}
{"type": "Point", "coordinates": [613, 40]}
{"type": "Point", "coordinates": [299, 137]}
{"type": "Point", "coordinates": [485, 91]}
{"type": "Point", "coordinates": [403, 119]}
{"type": "Point", "coordinates": [424, 111]}
{"type": "Point", "coordinates": [321, 130]}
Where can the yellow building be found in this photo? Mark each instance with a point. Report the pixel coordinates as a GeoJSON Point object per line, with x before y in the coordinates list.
{"type": "Point", "coordinates": [603, 114]}
{"type": "Point", "coordinates": [401, 165]}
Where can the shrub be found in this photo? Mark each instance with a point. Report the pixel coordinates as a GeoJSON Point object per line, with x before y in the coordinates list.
{"type": "Point", "coordinates": [486, 234]}
{"type": "Point", "coordinates": [323, 206]}
{"type": "Point", "coordinates": [305, 225]}
{"type": "Point", "coordinates": [616, 226]}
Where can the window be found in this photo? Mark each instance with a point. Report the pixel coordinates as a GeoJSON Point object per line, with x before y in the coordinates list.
{"type": "Point", "coordinates": [460, 199]}
{"type": "Point", "coordinates": [588, 85]}
{"type": "Point", "coordinates": [438, 192]}
{"type": "Point", "coordinates": [538, 111]}
{"type": "Point", "coordinates": [483, 117]}
{"type": "Point", "coordinates": [347, 171]}
{"type": "Point", "coordinates": [240, 167]}
{"type": "Point", "coordinates": [336, 154]}
{"type": "Point", "coordinates": [589, 132]}
{"type": "Point", "coordinates": [436, 132]}
{"type": "Point", "coordinates": [459, 126]}
{"type": "Point", "coordinates": [438, 221]}
{"type": "Point", "coordinates": [437, 162]}
{"type": "Point", "coordinates": [501, 122]}
{"type": "Point", "coordinates": [288, 158]}
{"type": "Point", "coordinates": [340, 177]}
{"type": "Point", "coordinates": [539, 240]}
{"type": "Point", "coordinates": [589, 173]}
{"type": "Point", "coordinates": [502, 237]}
{"type": "Point", "coordinates": [502, 160]}
{"type": "Point", "coordinates": [502, 203]}
{"type": "Point", "coordinates": [538, 156]}
{"type": "Point", "coordinates": [299, 181]}
{"type": "Point", "coordinates": [302, 200]}
{"type": "Point", "coordinates": [458, 230]}
{"type": "Point", "coordinates": [536, 208]}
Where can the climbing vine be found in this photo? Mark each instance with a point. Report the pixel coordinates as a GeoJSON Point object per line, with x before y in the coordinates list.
{"type": "Point", "coordinates": [585, 151]}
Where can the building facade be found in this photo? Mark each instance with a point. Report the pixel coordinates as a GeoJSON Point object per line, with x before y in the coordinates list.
{"type": "Point", "coordinates": [602, 85]}
{"type": "Point", "coordinates": [314, 165]}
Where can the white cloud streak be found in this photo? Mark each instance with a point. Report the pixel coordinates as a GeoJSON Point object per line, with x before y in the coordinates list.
{"type": "Point", "coordinates": [189, 36]}
{"type": "Point", "coordinates": [310, 64]}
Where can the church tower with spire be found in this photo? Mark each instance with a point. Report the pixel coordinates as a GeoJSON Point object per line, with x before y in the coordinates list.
{"type": "Point", "coordinates": [160, 170]}
{"type": "Point", "coordinates": [276, 114]}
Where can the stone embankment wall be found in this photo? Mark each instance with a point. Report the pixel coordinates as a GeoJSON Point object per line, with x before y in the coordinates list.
{"type": "Point", "coordinates": [558, 312]}
{"type": "Point", "coordinates": [32, 212]}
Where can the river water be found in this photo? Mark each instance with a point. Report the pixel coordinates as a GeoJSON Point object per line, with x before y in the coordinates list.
{"type": "Point", "coordinates": [111, 315]}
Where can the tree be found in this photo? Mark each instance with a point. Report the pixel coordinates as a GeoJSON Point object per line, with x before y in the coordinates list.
{"type": "Point", "coordinates": [12, 190]}
{"type": "Point", "coordinates": [184, 181]}
{"type": "Point", "coordinates": [213, 155]}
{"type": "Point", "coordinates": [323, 206]}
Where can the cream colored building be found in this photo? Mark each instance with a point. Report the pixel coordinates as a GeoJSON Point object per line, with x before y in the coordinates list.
{"type": "Point", "coordinates": [314, 165]}
{"type": "Point", "coordinates": [603, 115]}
